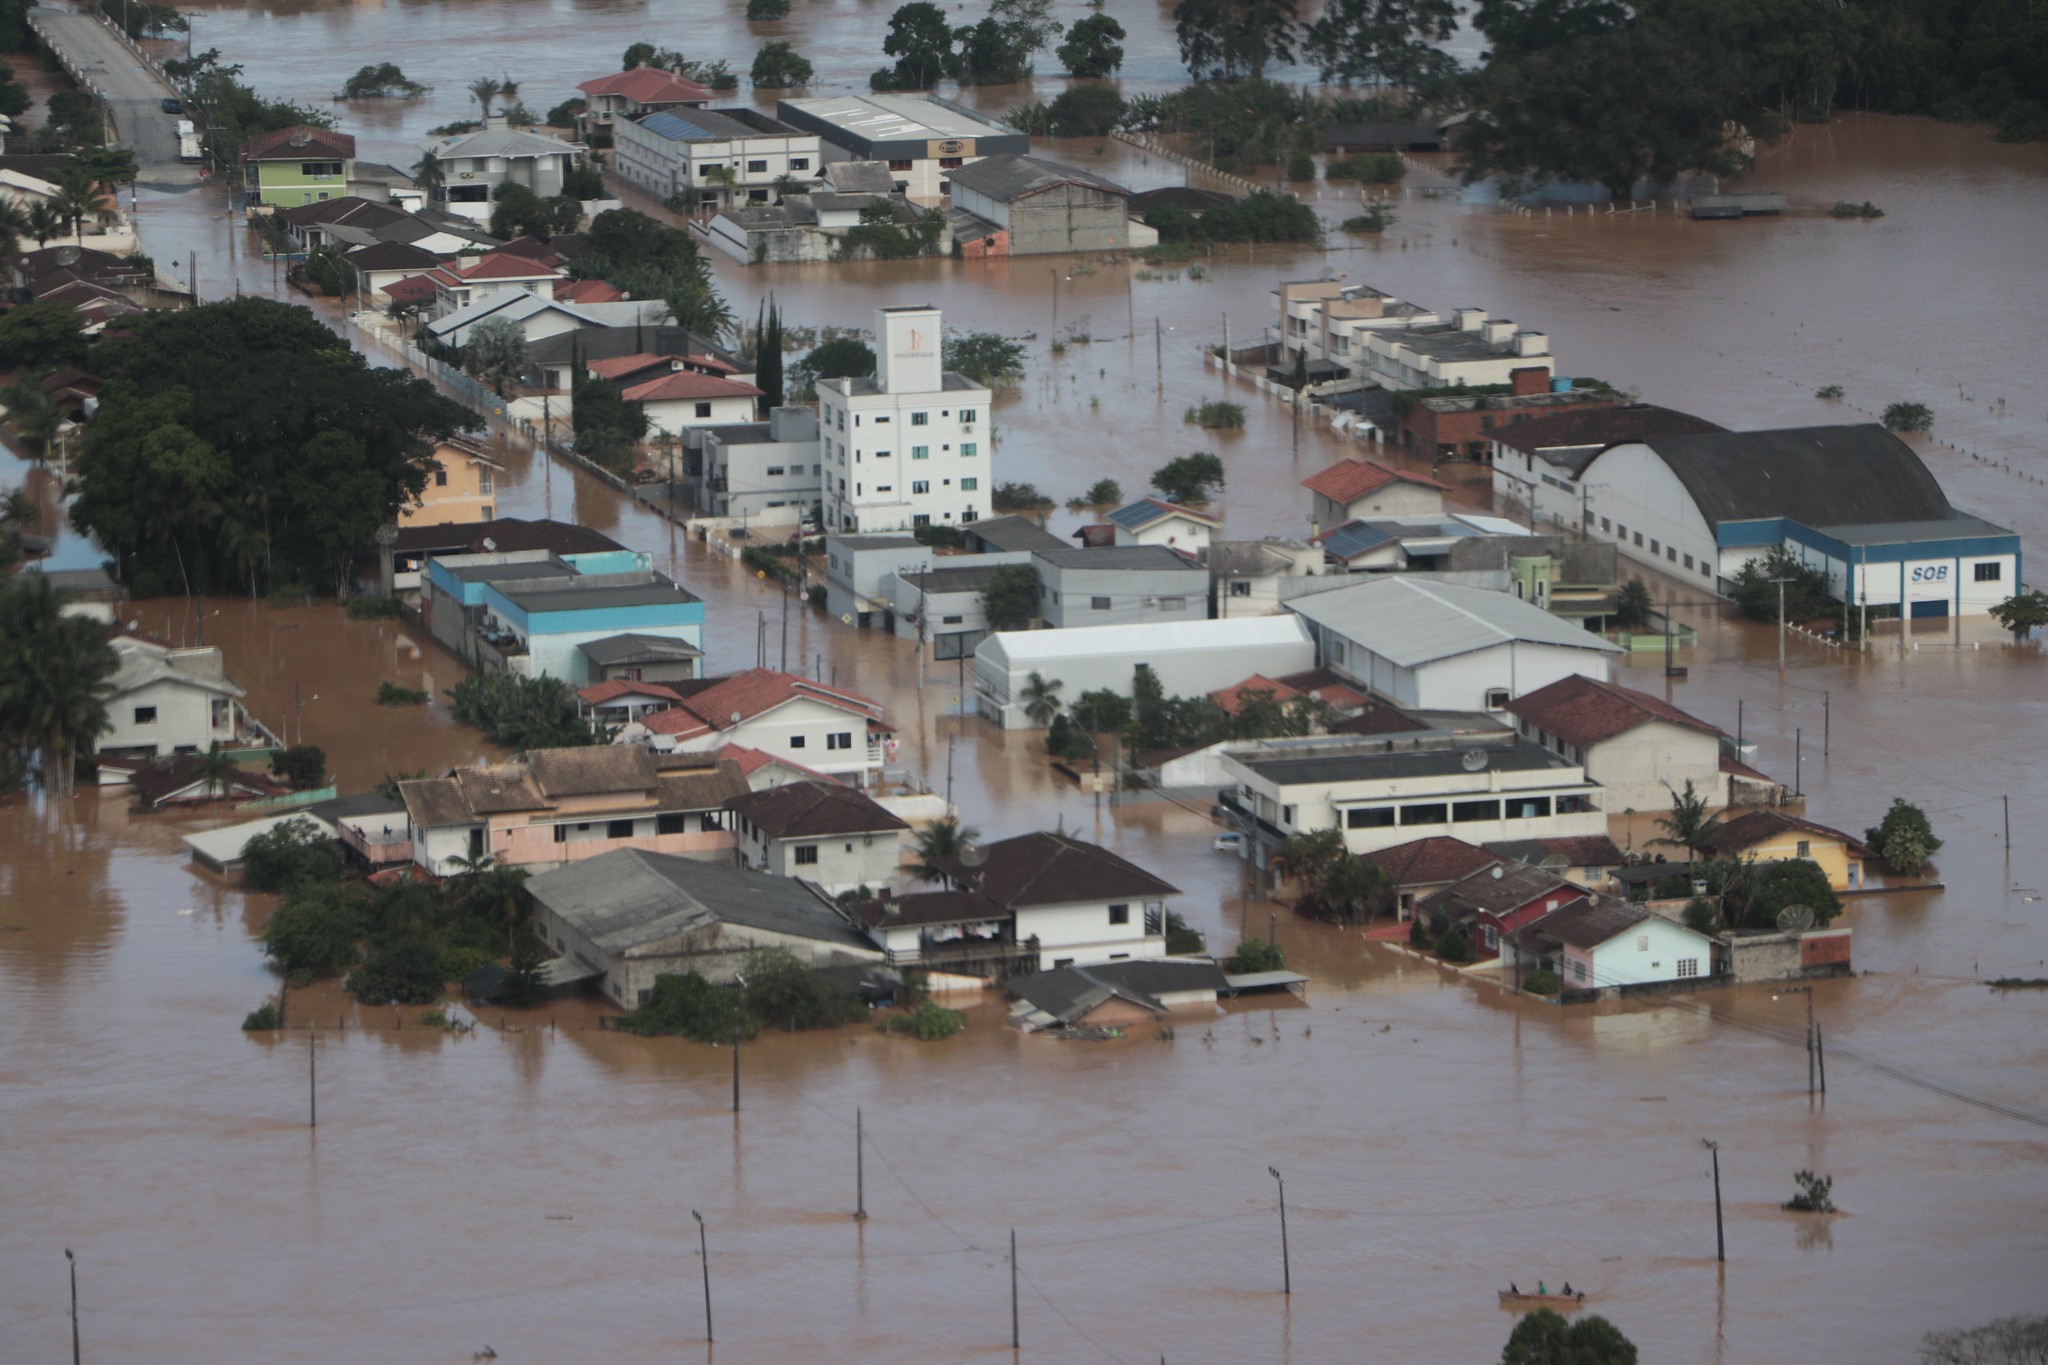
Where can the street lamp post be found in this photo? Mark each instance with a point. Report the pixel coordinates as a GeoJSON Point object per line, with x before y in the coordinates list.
{"type": "Point", "coordinates": [1286, 1268]}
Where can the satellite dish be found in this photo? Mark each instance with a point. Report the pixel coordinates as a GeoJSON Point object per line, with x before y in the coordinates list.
{"type": "Point", "coordinates": [490, 543]}
{"type": "Point", "coordinates": [1473, 759]}
{"type": "Point", "coordinates": [1498, 872]}
{"type": "Point", "coordinates": [972, 855]}
{"type": "Point", "coordinates": [1796, 917]}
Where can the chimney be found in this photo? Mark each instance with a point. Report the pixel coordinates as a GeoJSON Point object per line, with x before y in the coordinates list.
{"type": "Point", "coordinates": [1529, 379]}
{"type": "Point", "coordinates": [1468, 319]}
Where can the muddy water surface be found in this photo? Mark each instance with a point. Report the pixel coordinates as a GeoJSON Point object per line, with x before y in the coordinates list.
{"type": "Point", "coordinates": [531, 1188]}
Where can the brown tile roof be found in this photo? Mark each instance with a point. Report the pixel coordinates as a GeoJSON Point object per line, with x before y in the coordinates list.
{"type": "Point", "coordinates": [411, 289]}
{"type": "Point", "coordinates": [1592, 426]}
{"type": "Point", "coordinates": [595, 770]}
{"type": "Point", "coordinates": [1348, 480]}
{"type": "Point", "coordinates": [435, 802]}
{"type": "Point", "coordinates": [685, 384]}
{"type": "Point", "coordinates": [505, 534]}
{"type": "Point", "coordinates": [1585, 711]}
{"type": "Point", "coordinates": [1747, 831]}
{"type": "Point", "coordinates": [1055, 869]}
{"type": "Point", "coordinates": [1576, 850]}
{"type": "Point", "coordinates": [183, 775]}
{"type": "Point", "coordinates": [598, 693]}
{"type": "Point", "coordinates": [1586, 922]}
{"type": "Point", "coordinates": [929, 907]}
{"type": "Point", "coordinates": [1232, 698]}
{"type": "Point", "coordinates": [589, 291]}
{"type": "Point", "coordinates": [614, 366]}
{"type": "Point", "coordinates": [712, 704]}
{"type": "Point", "coordinates": [1327, 687]}
{"type": "Point", "coordinates": [800, 810]}
{"type": "Point", "coordinates": [288, 144]}
{"type": "Point", "coordinates": [1379, 719]}
{"type": "Point", "coordinates": [701, 788]}
{"type": "Point", "coordinates": [497, 790]}
{"type": "Point", "coordinates": [648, 85]}
{"type": "Point", "coordinates": [503, 265]}
{"type": "Point", "coordinates": [1433, 861]}
{"type": "Point", "coordinates": [1517, 885]}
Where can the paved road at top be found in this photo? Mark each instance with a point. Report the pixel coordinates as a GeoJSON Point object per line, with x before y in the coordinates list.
{"type": "Point", "coordinates": [134, 91]}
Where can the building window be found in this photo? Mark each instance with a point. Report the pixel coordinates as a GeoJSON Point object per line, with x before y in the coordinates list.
{"type": "Point", "coordinates": [1464, 812]}
{"type": "Point", "coordinates": [671, 824]}
{"type": "Point", "coordinates": [920, 452]}
{"type": "Point", "coordinates": [483, 481]}
{"type": "Point", "coordinates": [1805, 848]}
{"type": "Point", "coordinates": [757, 168]}
{"type": "Point", "coordinates": [703, 409]}
{"type": "Point", "coordinates": [968, 450]}
{"type": "Point", "coordinates": [1604, 525]}
{"type": "Point", "coordinates": [1528, 807]}
{"type": "Point", "coordinates": [1671, 553]}
{"type": "Point", "coordinates": [1287, 815]}
{"type": "Point", "coordinates": [967, 417]}
{"type": "Point", "coordinates": [1655, 548]}
{"type": "Point", "coordinates": [1173, 604]}
{"type": "Point", "coordinates": [440, 478]}
{"type": "Point", "coordinates": [1688, 562]}
{"type": "Point", "coordinates": [885, 488]}
{"type": "Point", "coordinates": [951, 620]}
{"type": "Point", "coordinates": [1098, 603]}
{"type": "Point", "coordinates": [799, 163]}
{"type": "Point", "coordinates": [618, 829]}
{"type": "Point", "coordinates": [1119, 914]}
{"type": "Point", "coordinates": [842, 739]}
{"type": "Point", "coordinates": [1426, 813]}
{"type": "Point", "coordinates": [1492, 937]}
{"type": "Point", "coordinates": [145, 715]}
{"type": "Point", "coordinates": [951, 163]}
{"type": "Point", "coordinates": [899, 165]}
{"type": "Point", "coordinates": [969, 485]}
{"type": "Point", "coordinates": [796, 741]}
{"type": "Point", "coordinates": [1369, 817]}
{"type": "Point", "coordinates": [774, 471]}
{"type": "Point", "coordinates": [1578, 970]}
{"type": "Point", "coordinates": [1497, 699]}
{"type": "Point", "coordinates": [1989, 572]}
{"type": "Point", "coordinates": [920, 485]}
{"type": "Point", "coordinates": [921, 519]}
{"type": "Point", "coordinates": [561, 834]}
{"type": "Point", "coordinates": [1688, 966]}
{"type": "Point", "coordinates": [807, 855]}
{"type": "Point", "coordinates": [920, 419]}
{"type": "Point", "coordinates": [1639, 540]}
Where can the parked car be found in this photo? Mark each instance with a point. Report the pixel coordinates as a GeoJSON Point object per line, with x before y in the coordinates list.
{"type": "Point", "coordinates": [1230, 841]}
{"type": "Point", "coordinates": [173, 106]}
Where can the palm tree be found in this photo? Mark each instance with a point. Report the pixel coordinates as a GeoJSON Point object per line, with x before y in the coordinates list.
{"type": "Point", "coordinates": [76, 200]}
{"type": "Point", "coordinates": [1688, 826]}
{"type": "Point", "coordinates": [18, 508]}
{"type": "Point", "coordinates": [428, 174]}
{"type": "Point", "coordinates": [13, 226]}
{"type": "Point", "coordinates": [216, 766]}
{"type": "Point", "coordinates": [725, 177]}
{"type": "Point", "coordinates": [33, 413]}
{"type": "Point", "coordinates": [1354, 890]}
{"type": "Point", "coordinates": [1632, 605]}
{"type": "Point", "coordinates": [484, 89]}
{"type": "Point", "coordinates": [55, 679]}
{"type": "Point", "coordinates": [1041, 698]}
{"type": "Point", "coordinates": [941, 840]}
{"type": "Point", "coordinates": [42, 222]}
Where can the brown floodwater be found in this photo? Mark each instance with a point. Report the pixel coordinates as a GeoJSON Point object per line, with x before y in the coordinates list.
{"type": "Point", "coordinates": [530, 1187]}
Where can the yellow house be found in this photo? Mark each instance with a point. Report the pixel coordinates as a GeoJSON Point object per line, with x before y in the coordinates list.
{"type": "Point", "coordinates": [462, 485]}
{"type": "Point", "coordinates": [1773, 836]}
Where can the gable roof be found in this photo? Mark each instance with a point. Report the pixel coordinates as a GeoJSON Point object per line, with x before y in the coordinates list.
{"type": "Point", "coordinates": [599, 693]}
{"type": "Point", "coordinates": [589, 291]}
{"type": "Point", "coordinates": [412, 289]}
{"type": "Point", "coordinates": [1069, 993]}
{"type": "Point", "coordinates": [184, 774]}
{"type": "Point", "coordinates": [499, 142]}
{"type": "Point", "coordinates": [1411, 621]}
{"type": "Point", "coordinates": [1585, 711]}
{"type": "Point", "coordinates": [1431, 861]}
{"type": "Point", "coordinates": [798, 810]}
{"type": "Point", "coordinates": [1589, 922]}
{"type": "Point", "coordinates": [1822, 476]}
{"type": "Point", "coordinates": [1747, 831]}
{"type": "Point", "coordinates": [687, 384]}
{"type": "Point", "coordinates": [1015, 175]}
{"type": "Point", "coordinates": [1571, 850]}
{"type": "Point", "coordinates": [751, 761]}
{"type": "Point", "coordinates": [712, 704]}
{"type": "Point", "coordinates": [504, 265]}
{"type": "Point", "coordinates": [1054, 869]}
{"type": "Point", "coordinates": [929, 907]}
{"type": "Point", "coordinates": [291, 144]}
{"type": "Point", "coordinates": [1150, 511]}
{"type": "Point", "coordinates": [648, 85]}
{"type": "Point", "coordinates": [1232, 698]}
{"type": "Point", "coordinates": [1349, 480]}
{"type": "Point", "coordinates": [628, 898]}
{"type": "Point", "coordinates": [631, 648]}
{"type": "Point", "coordinates": [1501, 887]}
{"type": "Point", "coordinates": [392, 256]}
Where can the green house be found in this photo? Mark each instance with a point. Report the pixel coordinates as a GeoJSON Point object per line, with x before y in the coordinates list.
{"type": "Point", "coordinates": [295, 166]}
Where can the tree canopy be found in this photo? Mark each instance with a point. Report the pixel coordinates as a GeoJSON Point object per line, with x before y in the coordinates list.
{"type": "Point", "coordinates": [242, 443]}
{"type": "Point", "coordinates": [1094, 46]}
{"type": "Point", "coordinates": [1545, 1338]}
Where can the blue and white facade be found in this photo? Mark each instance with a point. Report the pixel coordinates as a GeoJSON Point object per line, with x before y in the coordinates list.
{"type": "Point", "coordinates": [528, 613]}
{"type": "Point", "coordinates": [1962, 566]}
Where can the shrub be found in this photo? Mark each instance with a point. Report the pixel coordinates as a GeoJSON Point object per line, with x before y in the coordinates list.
{"type": "Point", "coordinates": [407, 972]}
{"type": "Point", "coordinates": [302, 765]}
{"type": "Point", "coordinates": [1215, 415]}
{"type": "Point", "coordinates": [295, 853]}
{"type": "Point", "coordinates": [391, 694]}
{"type": "Point", "coordinates": [1255, 955]}
{"type": "Point", "coordinates": [1700, 916]}
{"type": "Point", "coordinates": [1103, 493]}
{"type": "Point", "coordinates": [690, 1006]}
{"type": "Point", "coordinates": [1374, 168]}
{"type": "Point", "coordinates": [1085, 111]}
{"type": "Point", "coordinates": [1542, 982]}
{"type": "Point", "coordinates": [1375, 218]}
{"type": "Point", "coordinates": [458, 963]}
{"type": "Point", "coordinates": [1418, 933]}
{"type": "Point", "coordinates": [1828, 391]}
{"type": "Point", "coordinates": [314, 933]}
{"type": "Point", "coordinates": [759, 11]}
{"type": "Point", "coordinates": [1904, 838]}
{"type": "Point", "coordinates": [1816, 1193]}
{"type": "Point", "coordinates": [1017, 497]}
{"type": "Point", "coordinates": [1301, 166]}
{"type": "Point", "coordinates": [1452, 946]}
{"type": "Point", "coordinates": [262, 1019]}
{"type": "Point", "coordinates": [1182, 940]}
{"type": "Point", "coordinates": [1262, 217]}
{"type": "Point", "coordinates": [938, 537]}
{"type": "Point", "coordinates": [1189, 478]}
{"type": "Point", "coordinates": [1908, 417]}
{"type": "Point", "coordinates": [929, 1022]}
{"type": "Point", "coordinates": [782, 989]}
{"type": "Point", "coordinates": [817, 594]}
{"type": "Point", "coordinates": [374, 607]}
{"type": "Point", "coordinates": [1844, 209]}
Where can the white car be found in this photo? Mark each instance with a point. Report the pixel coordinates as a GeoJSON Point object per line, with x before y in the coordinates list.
{"type": "Point", "coordinates": [1230, 841]}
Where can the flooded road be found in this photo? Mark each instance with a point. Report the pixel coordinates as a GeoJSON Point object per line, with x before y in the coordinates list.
{"type": "Point", "coordinates": [531, 1188]}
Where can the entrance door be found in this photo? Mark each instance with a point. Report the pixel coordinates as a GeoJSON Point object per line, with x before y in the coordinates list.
{"type": "Point", "coordinates": [1937, 607]}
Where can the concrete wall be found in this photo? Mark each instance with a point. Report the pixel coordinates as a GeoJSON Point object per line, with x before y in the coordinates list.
{"type": "Point", "coordinates": [1068, 595]}
{"type": "Point", "coordinates": [1068, 218]}
{"type": "Point", "coordinates": [845, 861]}
{"type": "Point", "coordinates": [1464, 682]}
{"type": "Point", "coordinates": [1083, 933]}
{"type": "Point", "coordinates": [184, 720]}
{"type": "Point", "coordinates": [1654, 950]}
{"type": "Point", "coordinates": [1643, 508]}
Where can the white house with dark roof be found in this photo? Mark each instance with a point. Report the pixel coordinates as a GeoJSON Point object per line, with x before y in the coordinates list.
{"type": "Point", "coordinates": [164, 700]}
{"type": "Point", "coordinates": [1597, 944]}
{"type": "Point", "coordinates": [1855, 502]}
{"type": "Point", "coordinates": [1441, 646]}
{"type": "Point", "coordinates": [474, 164]}
{"type": "Point", "coordinates": [833, 730]}
{"type": "Point", "coordinates": [1155, 521]}
{"type": "Point", "coordinates": [1119, 585]}
{"type": "Point", "coordinates": [820, 830]}
{"type": "Point", "coordinates": [1080, 902]}
{"type": "Point", "coordinates": [686, 398]}
{"type": "Point", "coordinates": [1639, 747]}
{"type": "Point", "coordinates": [726, 156]}
{"type": "Point", "coordinates": [628, 94]}
{"type": "Point", "coordinates": [918, 136]}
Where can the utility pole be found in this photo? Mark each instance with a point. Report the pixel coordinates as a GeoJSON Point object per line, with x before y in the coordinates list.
{"type": "Point", "coordinates": [1798, 762]}
{"type": "Point", "coordinates": [72, 1262]}
{"type": "Point", "coordinates": [1159, 352]}
{"type": "Point", "coordinates": [860, 1181]}
{"type": "Point", "coordinates": [704, 1255]}
{"type": "Point", "coordinates": [735, 1070]}
{"type": "Point", "coordinates": [1225, 368]}
{"type": "Point", "coordinates": [1781, 582]}
{"type": "Point", "coordinates": [1016, 1343]}
{"type": "Point", "coordinates": [1286, 1267]}
{"type": "Point", "coordinates": [1820, 1055]}
{"type": "Point", "coordinates": [1720, 1237]}
{"type": "Point", "coordinates": [312, 1080]}
{"type": "Point", "coordinates": [1827, 721]}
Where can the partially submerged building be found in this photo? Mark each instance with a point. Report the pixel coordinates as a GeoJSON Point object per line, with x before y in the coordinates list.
{"type": "Point", "coordinates": [1190, 658]}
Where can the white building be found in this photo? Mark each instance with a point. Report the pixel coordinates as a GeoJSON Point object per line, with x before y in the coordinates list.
{"type": "Point", "coordinates": [1246, 576]}
{"type": "Point", "coordinates": [685, 398]}
{"type": "Point", "coordinates": [1537, 461]}
{"type": "Point", "coordinates": [1155, 521]}
{"type": "Point", "coordinates": [1443, 647]}
{"type": "Point", "coordinates": [919, 137]}
{"type": "Point", "coordinates": [474, 164]}
{"type": "Point", "coordinates": [1350, 490]}
{"type": "Point", "coordinates": [1384, 790]}
{"type": "Point", "coordinates": [1191, 658]}
{"type": "Point", "coordinates": [822, 831]}
{"type": "Point", "coordinates": [750, 469]}
{"type": "Point", "coordinates": [910, 446]}
{"type": "Point", "coordinates": [170, 701]}
{"type": "Point", "coordinates": [727, 155]}
{"type": "Point", "coordinates": [1077, 901]}
{"type": "Point", "coordinates": [1855, 502]}
{"type": "Point", "coordinates": [828, 730]}
{"type": "Point", "coordinates": [1601, 944]}
{"type": "Point", "coordinates": [1640, 748]}
{"type": "Point", "coordinates": [1381, 340]}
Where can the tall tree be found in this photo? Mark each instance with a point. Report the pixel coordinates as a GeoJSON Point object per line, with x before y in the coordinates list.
{"type": "Point", "coordinates": [768, 358]}
{"type": "Point", "coordinates": [921, 40]}
{"type": "Point", "coordinates": [55, 679]}
{"type": "Point", "coordinates": [1227, 39]}
{"type": "Point", "coordinates": [940, 841]}
{"type": "Point", "coordinates": [485, 89]}
{"type": "Point", "coordinates": [1094, 46]}
{"type": "Point", "coordinates": [1385, 42]}
{"type": "Point", "coordinates": [1688, 826]}
{"type": "Point", "coordinates": [1041, 698]}
{"type": "Point", "coordinates": [496, 353]}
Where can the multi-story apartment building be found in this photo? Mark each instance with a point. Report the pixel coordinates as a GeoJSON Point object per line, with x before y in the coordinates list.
{"type": "Point", "coordinates": [910, 445]}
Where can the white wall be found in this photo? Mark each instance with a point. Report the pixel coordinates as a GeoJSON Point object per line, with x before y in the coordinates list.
{"type": "Point", "coordinates": [1176, 533]}
{"type": "Point", "coordinates": [1463, 681]}
{"type": "Point", "coordinates": [673, 415]}
{"type": "Point", "coordinates": [1083, 932]}
{"type": "Point", "coordinates": [1183, 672]}
{"type": "Point", "coordinates": [1642, 767]}
{"type": "Point", "coordinates": [1650, 951]}
{"type": "Point", "coordinates": [1631, 487]}
{"type": "Point", "coordinates": [184, 719]}
{"type": "Point", "coordinates": [799, 731]}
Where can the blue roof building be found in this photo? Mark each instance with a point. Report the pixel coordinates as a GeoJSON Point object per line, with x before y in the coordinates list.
{"type": "Point", "coordinates": [530, 613]}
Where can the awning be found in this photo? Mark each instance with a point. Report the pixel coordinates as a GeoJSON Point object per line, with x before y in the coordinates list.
{"type": "Point", "coordinates": [567, 971]}
{"type": "Point", "coordinates": [1263, 981]}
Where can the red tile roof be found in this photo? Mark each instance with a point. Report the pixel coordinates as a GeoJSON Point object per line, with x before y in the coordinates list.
{"type": "Point", "coordinates": [752, 761]}
{"type": "Point", "coordinates": [1231, 698]}
{"type": "Point", "coordinates": [747, 695]}
{"type": "Point", "coordinates": [501, 265]}
{"type": "Point", "coordinates": [1433, 861]}
{"type": "Point", "coordinates": [1585, 711]}
{"type": "Point", "coordinates": [1736, 767]}
{"type": "Point", "coordinates": [648, 85]}
{"type": "Point", "coordinates": [598, 693]}
{"type": "Point", "coordinates": [1747, 831]}
{"type": "Point", "coordinates": [1327, 687]}
{"type": "Point", "coordinates": [589, 291]}
{"type": "Point", "coordinates": [614, 366]}
{"type": "Point", "coordinates": [685, 385]}
{"type": "Point", "coordinates": [1577, 850]}
{"type": "Point", "coordinates": [285, 144]}
{"type": "Point", "coordinates": [1349, 480]}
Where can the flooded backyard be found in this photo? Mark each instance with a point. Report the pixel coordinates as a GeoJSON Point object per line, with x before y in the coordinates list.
{"type": "Point", "coordinates": [530, 1187]}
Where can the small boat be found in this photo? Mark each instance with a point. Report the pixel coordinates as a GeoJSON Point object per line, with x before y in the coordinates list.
{"type": "Point", "coordinates": [1561, 1302]}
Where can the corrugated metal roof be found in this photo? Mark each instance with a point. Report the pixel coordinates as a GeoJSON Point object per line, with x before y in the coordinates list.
{"type": "Point", "coordinates": [629, 898]}
{"type": "Point", "coordinates": [1148, 639]}
{"type": "Point", "coordinates": [1411, 621]}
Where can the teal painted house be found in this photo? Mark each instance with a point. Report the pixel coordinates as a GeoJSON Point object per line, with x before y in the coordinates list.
{"type": "Point", "coordinates": [295, 166]}
{"type": "Point", "coordinates": [531, 612]}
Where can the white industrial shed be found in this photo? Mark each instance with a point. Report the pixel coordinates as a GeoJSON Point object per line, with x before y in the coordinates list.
{"type": "Point", "coordinates": [1446, 647]}
{"type": "Point", "coordinates": [1192, 658]}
